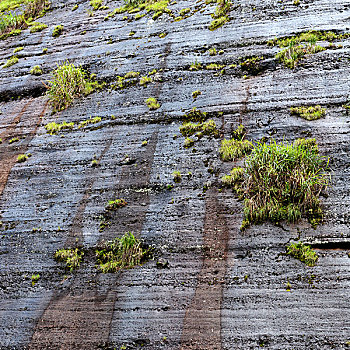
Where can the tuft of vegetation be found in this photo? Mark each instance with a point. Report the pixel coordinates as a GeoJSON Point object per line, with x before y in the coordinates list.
{"type": "Point", "coordinates": [221, 14]}
{"type": "Point", "coordinates": [10, 62]}
{"type": "Point", "coordinates": [152, 103]}
{"type": "Point", "coordinates": [36, 70]}
{"type": "Point", "coordinates": [17, 49]}
{"type": "Point", "coordinates": [252, 65]}
{"type": "Point", "coordinates": [235, 177]}
{"type": "Point", "coordinates": [188, 142]}
{"type": "Point", "coordinates": [14, 139]}
{"type": "Point", "coordinates": [125, 252]}
{"type": "Point", "coordinates": [131, 75]}
{"type": "Point", "coordinates": [22, 158]}
{"type": "Point", "coordinates": [69, 82]}
{"type": "Point", "coordinates": [309, 113]}
{"type": "Point", "coordinates": [302, 252]}
{"type": "Point", "coordinates": [283, 182]}
{"type": "Point", "coordinates": [37, 27]}
{"type": "Point", "coordinates": [195, 66]}
{"type": "Point", "coordinates": [53, 128]}
{"type": "Point", "coordinates": [215, 66]}
{"type": "Point", "coordinates": [58, 30]}
{"type": "Point", "coordinates": [196, 93]}
{"type": "Point", "coordinates": [116, 204]}
{"type": "Point", "coordinates": [195, 115]}
{"type": "Point", "coordinates": [177, 176]}
{"type": "Point", "coordinates": [145, 80]}
{"type": "Point", "coordinates": [212, 51]}
{"type": "Point", "coordinates": [233, 149]}
{"type": "Point", "coordinates": [71, 257]}
{"type": "Point", "coordinates": [35, 278]}
{"type": "Point", "coordinates": [94, 120]}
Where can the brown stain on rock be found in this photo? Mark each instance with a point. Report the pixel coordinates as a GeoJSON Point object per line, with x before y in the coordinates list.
{"type": "Point", "coordinates": [202, 323]}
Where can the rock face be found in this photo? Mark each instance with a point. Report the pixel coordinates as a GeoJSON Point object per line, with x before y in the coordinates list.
{"type": "Point", "coordinates": [210, 285]}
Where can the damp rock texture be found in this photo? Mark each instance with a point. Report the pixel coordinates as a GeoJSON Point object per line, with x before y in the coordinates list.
{"type": "Point", "coordinates": [209, 284]}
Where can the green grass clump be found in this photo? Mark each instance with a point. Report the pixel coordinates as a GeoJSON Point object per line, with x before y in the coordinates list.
{"type": "Point", "coordinates": [218, 22]}
{"type": "Point", "coordinates": [152, 103]}
{"type": "Point", "coordinates": [144, 80]}
{"type": "Point", "coordinates": [283, 182]}
{"type": "Point", "coordinates": [125, 252]}
{"type": "Point", "coordinates": [35, 278]}
{"type": "Point", "coordinates": [235, 177]}
{"type": "Point", "coordinates": [212, 51]}
{"type": "Point", "coordinates": [302, 252]}
{"type": "Point", "coordinates": [204, 128]}
{"type": "Point", "coordinates": [309, 113]}
{"type": "Point", "coordinates": [184, 11]}
{"type": "Point", "coordinates": [53, 128]}
{"type": "Point", "coordinates": [58, 30]}
{"type": "Point", "coordinates": [69, 82]}
{"type": "Point", "coordinates": [37, 27]}
{"type": "Point", "coordinates": [195, 115]}
{"type": "Point", "coordinates": [214, 66]}
{"type": "Point", "coordinates": [116, 204]}
{"type": "Point", "coordinates": [14, 139]}
{"type": "Point", "coordinates": [10, 62]}
{"type": "Point", "coordinates": [195, 66]}
{"type": "Point", "coordinates": [234, 149]}
{"type": "Point", "coordinates": [36, 70]}
{"type": "Point", "coordinates": [94, 120]}
{"type": "Point", "coordinates": [131, 75]}
{"type": "Point", "coordinates": [196, 93]}
{"type": "Point", "coordinates": [71, 257]}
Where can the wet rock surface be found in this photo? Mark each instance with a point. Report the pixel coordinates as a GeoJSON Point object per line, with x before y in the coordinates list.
{"type": "Point", "coordinates": [210, 285]}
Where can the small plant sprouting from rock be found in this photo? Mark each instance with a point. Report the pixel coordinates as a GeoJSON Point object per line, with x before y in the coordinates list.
{"type": "Point", "coordinates": [36, 70]}
{"type": "Point", "coordinates": [69, 82]}
{"type": "Point", "coordinates": [195, 66]}
{"type": "Point", "coordinates": [196, 93]}
{"type": "Point", "coordinates": [22, 158]}
{"type": "Point", "coordinates": [221, 14]}
{"type": "Point", "coordinates": [152, 103]}
{"type": "Point", "coordinates": [58, 30]}
{"type": "Point", "coordinates": [302, 252]}
{"type": "Point", "coordinates": [234, 179]}
{"type": "Point", "coordinates": [236, 147]}
{"type": "Point", "coordinates": [10, 62]}
{"type": "Point", "coordinates": [18, 49]}
{"type": "Point", "coordinates": [71, 257]}
{"type": "Point", "coordinates": [35, 278]}
{"type": "Point", "coordinates": [188, 142]}
{"type": "Point", "coordinates": [309, 113]}
{"type": "Point", "coordinates": [37, 27]}
{"type": "Point", "coordinates": [177, 176]}
{"type": "Point", "coordinates": [116, 204]}
{"type": "Point", "coordinates": [84, 123]}
{"type": "Point", "coordinates": [124, 252]}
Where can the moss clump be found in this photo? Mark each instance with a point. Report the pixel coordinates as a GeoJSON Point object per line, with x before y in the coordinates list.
{"type": "Point", "coordinates": [58, 30]}
{"type": "Point", "coordinates": [188, 142]}
{"type": "Point", "coordinates": [94, 120]}
{"type": "Point", "coordinates": [116, 204]}
{"type": "Point", "coordinates": [204, 128]}
{"type": "Point", "coordinates": [212, 51]}
{"type": "Point", "coordinates": [195, 115]}
{"type": "Point", "coordinates": [302, 252]}
{"type": "Point", "coordinates": [152, 103]}
{"type": "Point", "coordinates": [97, 5]}
{"type": "Point", "coordinates": [53, 128]}
{"type": "Point", "coordinates": [17, 49]}
{"type": "Point", "coordinates": [234, 149]}
{"type": "Point", "coordinates": [195, 66]}
{"type": "Point", "coordinates": [10, 62]}
{"type": "Point", "coordinates": [145, 80]}
{"type": "Point", "coordinates": [69, 82]}
{"type": "Point", "coordinates": [37, 27]}
{"type": "Point", "coordinates": [22, 158]}
{"type": "Point", "coordinates": [71, 257]}
{"type": "Point", "coordinates": [177, 176]}
{"type": "Point", "coordinates": [309, 113]}
{"type": "Point", "coordinates": [214, 66]}
{"type": "Point", "coordinates": [36, 70]}
{"type": "Point", "coordinates": [125, 252]}
{"type": "Point", "coordinates": [221, 14]}
{"type": "Point", "coordinates": [235, 177]}
{"type": "Point", "coordinates": [283, 182]}
{"type": "Point", "coordinates": [184, 11]}
{"type": "Point", "coordinates": [196, 93]}
{"type": "Point", "coordinates": [219, 22]}
{"type": "Point", "coordinates": [131, 75]}
{"type": "Point", "coordinates": [14, 139]}
{"type": "Point", "coordinates": [252, 65]}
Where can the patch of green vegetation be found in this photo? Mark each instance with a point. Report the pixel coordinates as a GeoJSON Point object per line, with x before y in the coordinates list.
{"type": "Point", "coordinates": [71, 257]}
{"type": "Point", "coordinates": [233, 149]}
{"type": "Point", "coordinates": [234, 179]}
{"type": "Point", "coordinates": [212, 51]}
{"type": "Point", "coordinates": [58, 30]}
{"type": "Point", "coordinates": [184, 11]}
{"type": "Point", "coordinates": [177, 176]}
{"type": "Point", "coordinates": [188, 142]}
{"type": "Point", "coordinates": [116, 204]}
{"type": "Point", "coordinates": [252, 65]}
{"type": "Point", "coordinates": [131, 75]}
{"type": "Point", "coordinates": [17, 49]}
{"type": "Point", "coordinates": [162, 35]}
{"type": "Point", "coordinates": [144, 143]}
{"type": "Point", "coordinates": [152, 103]}
{"type": "Point", "coordinates": [69, 82]}
{"type": "Point", "coordinates": [125, 252]}
{"type": "Point", "coordinates": [196, 93]}
{"type": "Point", "coordinates": [221, 14]}
{"type": "Point", "coordinates": [296, 2]}
{"type": "Point", "coordinates": [97, 5]}
{"type": "Point", "coordinates": [36, 70]}
{"type": "Point", "coordinates": [37, 27]}
{"type": "Point", "coordinates": [309, 113]}
{"type": "Point", "coordinates": [94, 120]}
{"type": "Point", "coordinates": [298, 46]}
{"type": "Point", "coordinates": [195, 66]}
{"type": "Point", "coordinates": [195, 115]}
{"type": "Point", "coordinates": [44, 50]}
{"type": "Point", "coordinates": [53, 128]}
{"type": "Point", "coordinates": [14, 139]}
{"type": "Point", "coordinates": [302, 252]}
{"type": "Point", "coordinates": [214, 66]}
{"type": "Point", "coordinates": [35, 278]}
{"type": "Point", "coordinates": [283, 182]}
{"type": "Point", "coordinates": [75, 7]}
{"type": "Point", "coordinates": [10, 62]}
{"type": "Point", "coordinates": [132, 33]}
{"type": "Point", "coordinates": [145, 80]}
{"type": "Point", "coordinates": [22, 158]}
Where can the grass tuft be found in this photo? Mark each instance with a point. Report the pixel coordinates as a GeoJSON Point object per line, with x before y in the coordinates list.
{"type": "Point", "coordinates": [71, 257]}
{"type": "Point", "coordinates": [116, 204]}
{"type": "Point", "coordinates": [152, 103]}
{"type": "Point", "coordinates": [309, 113]}
{"type": "Point", "coordinates": [302, 252]}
